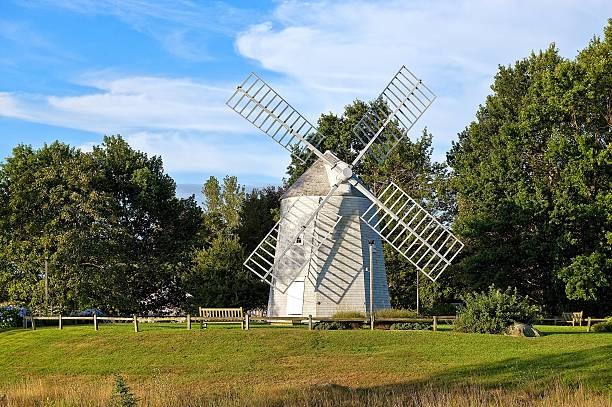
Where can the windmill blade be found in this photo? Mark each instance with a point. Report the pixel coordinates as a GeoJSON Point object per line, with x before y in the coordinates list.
{"type": "Point", "coordinates": [257, 102]}
{"type": "Point", "coordinates": [412, 231]}
{"type": "Point", "coordinates": [279, 266]}
{"type": "Point", "coordinates": [393, 114]}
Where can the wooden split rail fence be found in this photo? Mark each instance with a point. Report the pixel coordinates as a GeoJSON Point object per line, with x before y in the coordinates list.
{"type": "Point", "coordinates": [212, 318]}
{"type": "Point", "coordinates": [244, 320]}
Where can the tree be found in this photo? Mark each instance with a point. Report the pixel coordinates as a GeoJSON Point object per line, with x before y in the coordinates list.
{"type": "Point", "coordinates": [222, 206]}
{"type": "Point", "coordinates": [149, 233]}
{"type": "Point", "coordinates": [258, 215]}
{"type": "Point", "coordinates": [532, 176]}
{"type": "Point", "coordinates": [233, 224]}
{"type": "Point", "coordinates": [46, 202]}
{"type": "Point", "coordinates": [218, 278]}
{"type": "Point", "coordinates": [108, 221]}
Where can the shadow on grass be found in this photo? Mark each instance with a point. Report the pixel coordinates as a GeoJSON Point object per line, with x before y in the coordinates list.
{"type": "Point", "coordinates": [591, 368]}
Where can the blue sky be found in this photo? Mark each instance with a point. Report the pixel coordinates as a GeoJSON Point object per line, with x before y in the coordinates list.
{"type": "Point", "coordinates": [159, 72]}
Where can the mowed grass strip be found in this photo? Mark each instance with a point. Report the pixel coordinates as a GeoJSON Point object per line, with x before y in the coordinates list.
{"type": "Point", "coordinates": [222, 358]}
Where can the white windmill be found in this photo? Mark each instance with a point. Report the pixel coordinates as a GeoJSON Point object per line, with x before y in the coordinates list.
{"type": "Point", "coordinates": [316, 257]}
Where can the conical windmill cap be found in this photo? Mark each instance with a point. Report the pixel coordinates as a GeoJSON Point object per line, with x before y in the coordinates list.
{"type": "Point", "coordinates": [317, 181]}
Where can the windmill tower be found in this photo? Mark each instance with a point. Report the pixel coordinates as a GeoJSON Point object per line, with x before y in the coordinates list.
{"type": "Point", "coordinates": [315, 258]}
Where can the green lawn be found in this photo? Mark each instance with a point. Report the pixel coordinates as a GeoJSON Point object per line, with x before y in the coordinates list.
{"type": "Point", "coordinates": [223, 357]}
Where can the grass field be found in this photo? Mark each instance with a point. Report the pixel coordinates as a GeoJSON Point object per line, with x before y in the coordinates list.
{"type": "Point", "coordinates": [168, 365]}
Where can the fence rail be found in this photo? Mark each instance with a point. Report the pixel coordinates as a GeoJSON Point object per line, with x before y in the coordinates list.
{"type": "Point", "coordinates": [246, 320]}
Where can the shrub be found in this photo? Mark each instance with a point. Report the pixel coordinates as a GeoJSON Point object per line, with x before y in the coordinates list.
{"type": "Point", "coordinates": [411, 326]}
{"type": "Point", "coordinates": [122, 396]}
{"type": "Point", "coordinates": [605, 326]}
{"type": "Point", "coordinates": [11, 317]}
{"type": "Point", "coordinates": [332, 326]}
{"type": "Point", "coordinates": [494, 310]}
{"type": "Point", "coordinates": [395, 313]}
{"type": "Point", "coordinates": [349, 315]}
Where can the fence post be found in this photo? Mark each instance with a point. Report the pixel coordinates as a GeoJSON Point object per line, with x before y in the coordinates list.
{"type": "Point", "coordinates": [188, 321]}
{"type": "Point", "coordinates": [33, 323]}
{"type": "Point", "coordinates": [248, 321]}
{"type": "Point", "coordinates": [435, 323]}
{"type": "Point", "coordinates": [589, 324]}
{"type": "Point", "coordinates": [310, 322]}
{"type": "Point", "coordinates": [135, 323]}
{"type": "Point", "coordinates": [95, 319]}
{"type": "Point", "coordinates": [60, 323]}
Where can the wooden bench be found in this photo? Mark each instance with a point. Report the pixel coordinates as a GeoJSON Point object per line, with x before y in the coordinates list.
{"type": "Point", "coordinates": [572, 317]}
{"type": "Point", "coordinates": [221, 316]}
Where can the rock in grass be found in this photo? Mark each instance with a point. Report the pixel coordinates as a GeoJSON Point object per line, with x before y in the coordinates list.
{"type": "Point", "coordinates": [525, 330]}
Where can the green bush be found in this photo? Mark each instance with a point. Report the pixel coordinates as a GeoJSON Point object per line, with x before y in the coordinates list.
{"type": "Point", "coordinates": [395, 313]}
{"type": "Point", "coordinates": [349, 315]}
{"type": "Point", "coordinates": [332, 326]}
{"type": "Point", "coordinates": [494, 310]}
{"type": "Point", "coordinates": [605, 326]}
{"type": "Point", "coordinates": [11, 317]}
{"type": "Point", "coordinates": [122, 396]}
{"type": "Point", "coordinates": [411, 326]}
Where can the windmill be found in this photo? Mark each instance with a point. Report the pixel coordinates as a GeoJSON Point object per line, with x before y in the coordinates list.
{"type": "Point", "coordinates": [315, 258]}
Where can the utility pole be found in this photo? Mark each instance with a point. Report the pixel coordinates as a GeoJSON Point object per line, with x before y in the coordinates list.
{"type": "Point", "coordinates": [418, 302]}
{"type": "Point", "coordinates": [47, 284]}
{"type": "Point", "coordinates": [371, 243]}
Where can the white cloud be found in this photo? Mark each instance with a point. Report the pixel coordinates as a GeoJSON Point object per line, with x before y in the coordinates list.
{"type": "Point", "coordinates": [127, 104]}
{"type": "Point", "coordinates": [335, 51]}
{"type": "Point", "coordinates": [213, 153]}
{"type": "Point", "coordinates": [184, 121]}
{"type": "Point", "coordinates": [11, 107]}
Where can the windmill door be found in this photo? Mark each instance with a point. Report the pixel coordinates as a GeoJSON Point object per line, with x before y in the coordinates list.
{"type": "Point", "coordinates": [295, 298]}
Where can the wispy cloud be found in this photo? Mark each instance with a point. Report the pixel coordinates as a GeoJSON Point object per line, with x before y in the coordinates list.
{"type": "Point", "coordinates": [184, 121]}
{"type": "Point", "coordinates": [340, 50]}
{"type": "Point", "coordinates": [21, 35]}
{"type": "Point", "coordinates": [193, 152]}
{"type": "Point", "coordinates": [182, 27]}
{"type": "Point", "coordinates": [325, 54]}
{"type": "Point", "coordinates": [131, 104]}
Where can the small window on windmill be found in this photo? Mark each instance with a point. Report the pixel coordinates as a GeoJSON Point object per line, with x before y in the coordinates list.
{"type": "Point", "coordinates": [299, 241]}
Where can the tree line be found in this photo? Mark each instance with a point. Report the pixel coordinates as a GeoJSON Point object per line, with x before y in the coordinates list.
{"type": "Point", "coordinates": [526, 187]}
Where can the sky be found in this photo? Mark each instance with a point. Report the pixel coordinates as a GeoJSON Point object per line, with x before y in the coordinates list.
{"type": "Point", "coordinates": [159, 72]}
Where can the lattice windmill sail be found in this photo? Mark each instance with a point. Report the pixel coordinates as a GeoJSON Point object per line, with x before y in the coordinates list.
{"type": "Point", "coordinates": [314, 257]}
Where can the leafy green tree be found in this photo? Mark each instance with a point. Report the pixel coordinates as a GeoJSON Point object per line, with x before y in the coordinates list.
{"type": "Point", "coordinates": [233, 224]}
{"type": "Point", "coordinates": [46, 203]}
{"type": "Point", "coordinates": [150, 232]}
{"type": "Point", "coordinates": [108, 221]}
{"type": "Point", "coordinates": [532, 175]}
{"type": "Point", "coordinates": [259, 213]}
{"type": "Point", "coordinates": [219, 279]}
{"type": "Point", "coordinates": [222, 206]}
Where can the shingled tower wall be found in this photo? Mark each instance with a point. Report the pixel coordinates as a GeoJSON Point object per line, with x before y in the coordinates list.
{"type": "Point", "coordinates": [336, 277]}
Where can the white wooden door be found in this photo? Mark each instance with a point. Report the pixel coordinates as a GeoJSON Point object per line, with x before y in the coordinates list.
{"type": "Point", "coordinates": [295, 298]}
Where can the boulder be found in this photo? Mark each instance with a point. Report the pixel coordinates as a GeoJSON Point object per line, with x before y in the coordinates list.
{"type": "Point", "coordinates": [524, 330]}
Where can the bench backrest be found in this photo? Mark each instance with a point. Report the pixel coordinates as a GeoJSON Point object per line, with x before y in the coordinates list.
{"type": "Point", "coordinates": [221, 312]}
{"type": "Point", "coordinates": [572, 316]}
